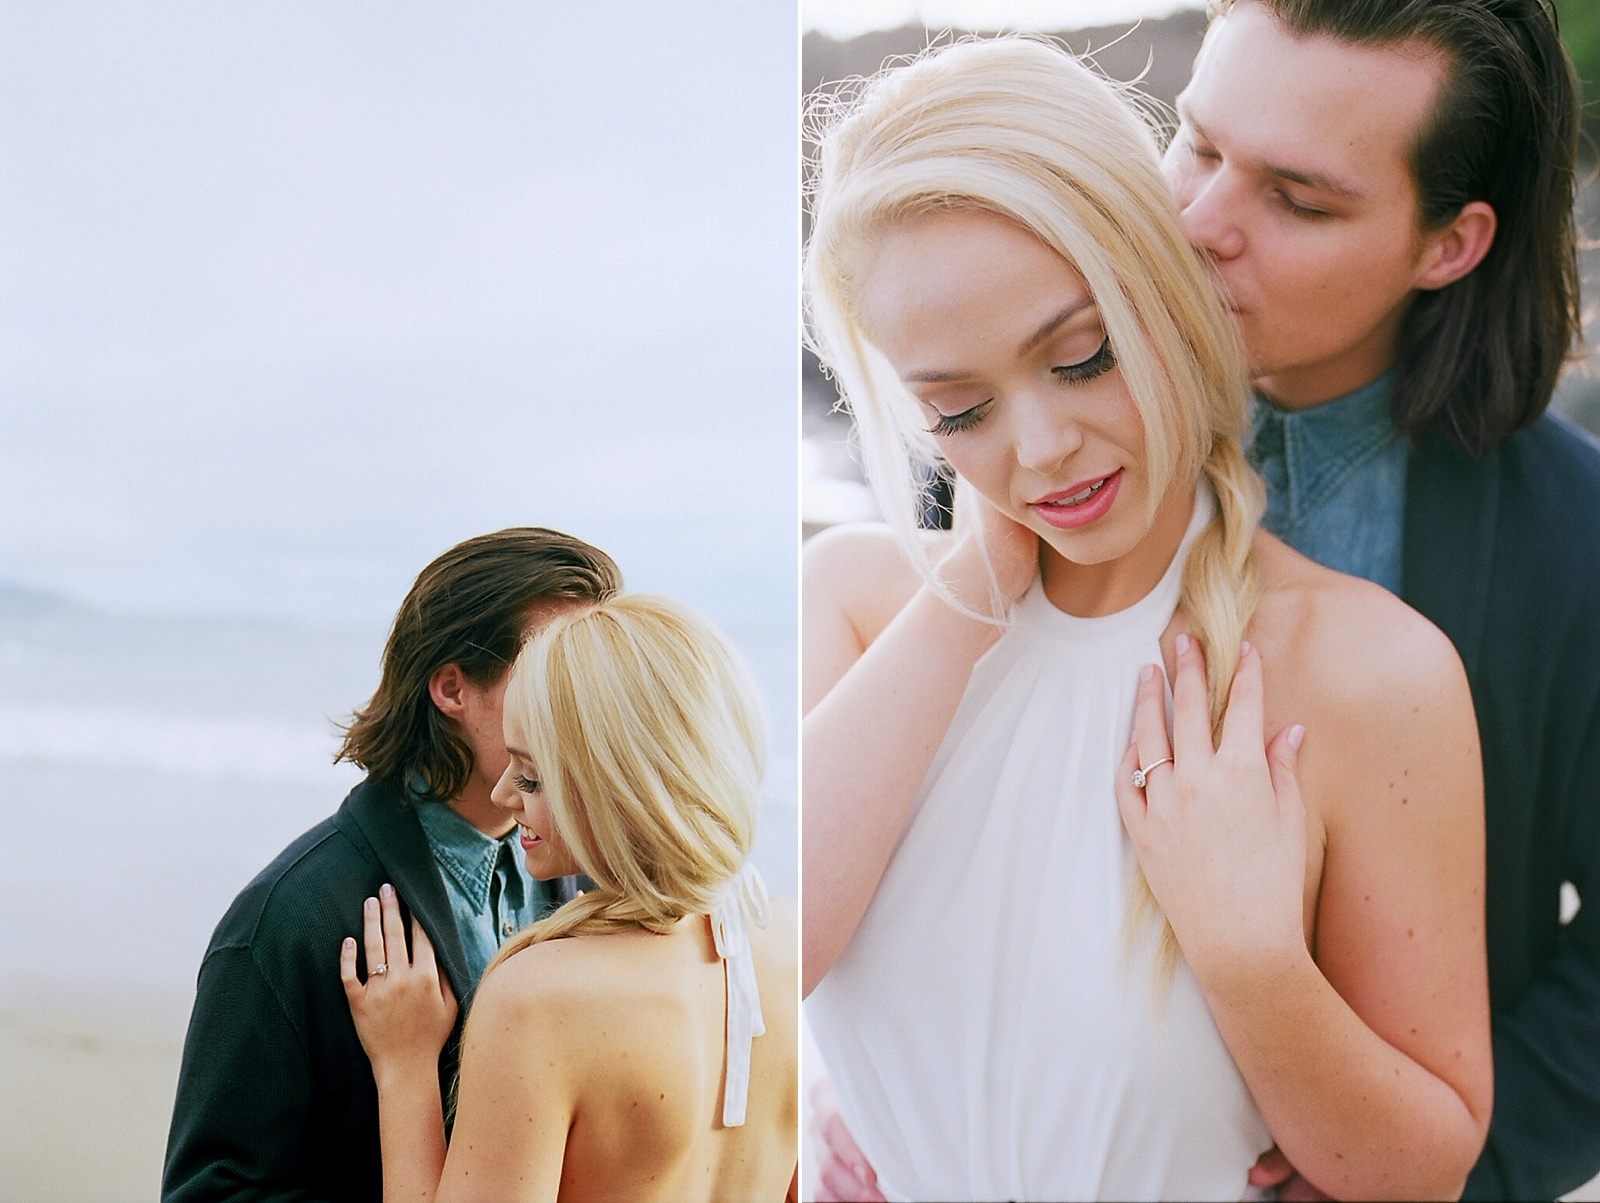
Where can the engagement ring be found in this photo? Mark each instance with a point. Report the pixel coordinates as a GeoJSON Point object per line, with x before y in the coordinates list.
{"type": "Point", "coordinates": [1140, 776]}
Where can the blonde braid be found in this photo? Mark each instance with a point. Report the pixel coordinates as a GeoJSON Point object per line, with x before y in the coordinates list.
{"type": "Point", "coordinates": [1221, 584]}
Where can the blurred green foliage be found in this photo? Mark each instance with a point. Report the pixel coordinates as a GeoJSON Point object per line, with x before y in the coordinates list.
{"type": "Point", "coordinates": [1580, 30]}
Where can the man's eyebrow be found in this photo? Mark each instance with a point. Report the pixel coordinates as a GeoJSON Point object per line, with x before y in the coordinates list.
{"type": "Point", "coordinates": [1309, 179]}
{"type": "Point", "coordinates": [1033, 340]}
{"type": "Point", "coordinates": [1322, 183]}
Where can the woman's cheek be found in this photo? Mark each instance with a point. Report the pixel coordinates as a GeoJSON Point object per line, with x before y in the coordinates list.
{"type": "Point", "coordinates": [982, 469]}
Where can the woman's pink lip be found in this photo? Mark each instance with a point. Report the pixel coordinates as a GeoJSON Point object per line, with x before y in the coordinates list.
{"type": "Point", "coordinates": [1069, 517]}
{"type": "Point", "coordinates": [1072, 490]}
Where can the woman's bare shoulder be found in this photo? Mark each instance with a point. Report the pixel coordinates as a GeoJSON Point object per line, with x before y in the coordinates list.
{"type": "Point", "coordinates": [1377, 686]}
{"type": "Point", "coordinates": [1355, 638]}
{"type": "Point", "coordinates": [854, 580]}
{"type": "Point", "coordinates": [535, 1007]}
{"type": "Point", "coordinates": [553, 976]}
{"type": "Point", "coordinates": [778, 946]}
{"type": "Point", "coordinates": [862, 570]}
{"type": "Point", "coordinates": [783, 928]}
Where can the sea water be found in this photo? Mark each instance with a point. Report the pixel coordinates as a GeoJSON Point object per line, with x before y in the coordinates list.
{"type": "Point", "coordinates": [149, 768]}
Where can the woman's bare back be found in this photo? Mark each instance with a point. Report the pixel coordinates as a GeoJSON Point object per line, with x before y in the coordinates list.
{"type": "Point", "coordinates": [605, 1056]}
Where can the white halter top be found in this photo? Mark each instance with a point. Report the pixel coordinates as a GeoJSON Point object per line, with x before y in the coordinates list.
{"type": "Point", "coordinates": [743, 898]}
{"type": "Point", "coordinates": [987, 1037]}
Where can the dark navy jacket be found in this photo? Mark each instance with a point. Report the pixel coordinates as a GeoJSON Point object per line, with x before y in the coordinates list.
{"type": "Point", "coordinates": [275, 1097]}
{"type": "Point", "coordinates": [1503, 554]}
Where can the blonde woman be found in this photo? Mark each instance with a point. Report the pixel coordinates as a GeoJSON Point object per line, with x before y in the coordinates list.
{"type": "Point", "coordinates": [640, 1043]}
{"type": "Point", "coordinates": [1055, 949]}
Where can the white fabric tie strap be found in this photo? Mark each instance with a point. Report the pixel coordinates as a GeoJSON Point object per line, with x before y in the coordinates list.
{"type": "Point", "coordinates": [743, 898]}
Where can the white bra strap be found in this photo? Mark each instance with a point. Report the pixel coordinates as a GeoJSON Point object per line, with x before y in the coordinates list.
{"type": "Point", "coordinates": [744, 898]}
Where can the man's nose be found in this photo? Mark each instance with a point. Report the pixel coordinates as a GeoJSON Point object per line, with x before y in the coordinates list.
{"type": "Point", "coordinates": [1210, 209]}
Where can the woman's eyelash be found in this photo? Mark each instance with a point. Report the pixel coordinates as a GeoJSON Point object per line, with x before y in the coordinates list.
{"type": "Point", "coordinates": [956, 423]}
{"type": "Point", "coordinates": [1098, 364]}
{"type": "Point", "coordinates": [524, 784]}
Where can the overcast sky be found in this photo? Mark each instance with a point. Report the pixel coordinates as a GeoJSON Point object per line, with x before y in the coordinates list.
{"type": "Point", "coordinates": [294, 296]}
{"type": "Point", "coordinates": [848, 18]}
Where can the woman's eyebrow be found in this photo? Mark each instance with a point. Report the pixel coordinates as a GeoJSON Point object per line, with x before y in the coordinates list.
{"type": "Point", "coordinates": [935, 377]}
{"type": "Point", "coordinates": [1033, 340]}
{"type": "Point", "coordinates": [1055, 323]}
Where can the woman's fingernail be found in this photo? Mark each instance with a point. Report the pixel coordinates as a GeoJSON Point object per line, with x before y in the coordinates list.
{"type": "Point", "coordinates": [370, 903]}
{"type": "Point", "coordinates": [1182, 644]}
{"type": "Point", "coordinates": [387, 890]}
{"type": "Point", "coordinates": [1148, 671]}
{"type": "Point", "coordinates": [1296, 734]}
{"type": "Point", "coordinates": [349, 943]}
{"type": "Point", "coordinates": [1244, 647]}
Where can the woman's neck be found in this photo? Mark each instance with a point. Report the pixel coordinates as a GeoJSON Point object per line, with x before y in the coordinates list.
{"type": "Point", "coordinates": [1095, 590]}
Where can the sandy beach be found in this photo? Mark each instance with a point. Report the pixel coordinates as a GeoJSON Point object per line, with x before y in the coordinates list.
{"type": "Point", "coordinates": [89, 1071]}
{"type": "Point", "coordinates": [222, 745]}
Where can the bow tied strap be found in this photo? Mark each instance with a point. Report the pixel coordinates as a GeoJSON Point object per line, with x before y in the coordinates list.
{"type": "Point", "coordinates": [743, 900]}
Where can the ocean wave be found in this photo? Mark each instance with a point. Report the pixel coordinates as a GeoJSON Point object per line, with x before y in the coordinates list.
{"type": "Point", "coordinates": [178, 744]}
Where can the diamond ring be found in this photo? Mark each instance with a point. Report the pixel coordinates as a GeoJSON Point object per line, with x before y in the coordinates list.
{"type": "Point", "coordinates": [1140, 776]}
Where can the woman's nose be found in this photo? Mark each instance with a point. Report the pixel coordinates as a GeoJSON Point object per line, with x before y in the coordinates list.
{"type": "Point", "coordinates": [505, 793]}
{"type": "Point", "coordinates": [1046, 434]}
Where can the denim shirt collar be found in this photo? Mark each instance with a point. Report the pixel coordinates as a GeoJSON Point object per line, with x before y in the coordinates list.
{"type": "Point", "coordinates": [1322, 446]}
{"type": "Point", "coordinates": [464, 852]}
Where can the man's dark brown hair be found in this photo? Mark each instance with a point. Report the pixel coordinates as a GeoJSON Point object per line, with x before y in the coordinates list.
{"type": "Point", "coordinates": [1478, 359]}
{"type": "Point", "coordinates": [470, 607]}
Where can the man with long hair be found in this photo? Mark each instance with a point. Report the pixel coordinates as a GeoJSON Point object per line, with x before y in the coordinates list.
{"type": "Point", "coordinates": [1385, 190]}
{"type": "Point", "coordinates": [276, 1099]}
{"type": "Point", "coordinates": [1393, 228]}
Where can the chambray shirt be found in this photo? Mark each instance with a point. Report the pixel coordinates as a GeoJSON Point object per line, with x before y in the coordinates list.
{"type": "Point", "coordinates": [1336, 481]}
{"type": "Point", "coordinates": [491, 895]}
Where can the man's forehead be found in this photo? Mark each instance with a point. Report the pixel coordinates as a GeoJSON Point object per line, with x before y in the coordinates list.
{"type": "Point", "coordinates": [1311, 103]}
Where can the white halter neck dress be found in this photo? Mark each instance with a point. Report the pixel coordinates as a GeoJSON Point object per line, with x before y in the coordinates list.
{"type": "Point", "coordinates": [987, 1037]}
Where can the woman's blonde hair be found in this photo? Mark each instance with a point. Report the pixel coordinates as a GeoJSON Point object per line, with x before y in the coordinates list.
{"type": "Point", "coordinates": [1019, 128]}
{"type": "Point", "coordinates": [647, 732]}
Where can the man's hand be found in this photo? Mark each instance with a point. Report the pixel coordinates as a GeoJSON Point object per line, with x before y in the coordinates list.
{"type": "Point", "coordinates": [1272, 1170]}
{"type": "Point", "coordinates": [844, 1175]}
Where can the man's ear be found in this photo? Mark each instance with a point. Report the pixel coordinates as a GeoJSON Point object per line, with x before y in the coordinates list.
{"type": "Point", "coordinates": [1454, 251]}
{"type": "Point", "coordinates": [447, 688]}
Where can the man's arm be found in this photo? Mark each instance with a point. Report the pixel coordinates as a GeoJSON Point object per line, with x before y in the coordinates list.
{"type": "Point", "coordinates": [1544, 1139]}
{"type": "Point", "coordinates": [243, 1092]}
